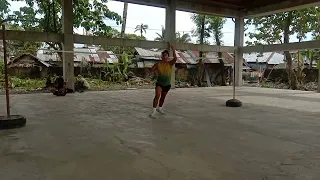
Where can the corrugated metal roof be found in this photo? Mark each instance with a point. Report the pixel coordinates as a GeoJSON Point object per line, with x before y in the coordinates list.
{"type": "Point", "coordinates": [275, 58]}
{"type": "Point", "coordinates": [187, 58]}
{"type": "Point", "coordinates": [88, 54]}
{"type": "Point", "coordinates": [109, 56]}
{"type": "Point", "coordinates": [212, 57]}
{"type": "Point", "coordinates": [156, 55]}
{"type": "Point", "coordinates": [148, 54]}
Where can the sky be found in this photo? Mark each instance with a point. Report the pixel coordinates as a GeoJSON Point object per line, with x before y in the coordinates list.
{"type": "Point", "coordinates": [155, 19]}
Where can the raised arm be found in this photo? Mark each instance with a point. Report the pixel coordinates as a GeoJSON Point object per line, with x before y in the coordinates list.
{"type": "Point", "coordinates": [174, 60]}
{"type": "Point", "coordinates": [154, 67]}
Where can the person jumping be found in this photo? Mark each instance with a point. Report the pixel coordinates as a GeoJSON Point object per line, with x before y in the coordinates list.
{"type": "Point", "coordinates": [163, 84]}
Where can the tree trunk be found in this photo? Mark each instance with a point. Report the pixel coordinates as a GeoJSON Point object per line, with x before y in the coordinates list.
{"type": "Point", "coordinates": [124, 23]}
{"type": "Point", "coordinates": [290, 70]}
{"type": "Point", "coordinates": [201, 65]}
{"type": "Point", "coordinates": [311, 60]}
{"type": "Point", "coordinates": [221, 63]}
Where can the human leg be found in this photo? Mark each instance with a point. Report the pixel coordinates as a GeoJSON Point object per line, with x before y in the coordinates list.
{"type": "Point", "coordinates": [158, 91]}
{"type": "Point", "coordinates": [164, 93]}
{"type": "Point", "coordinates": [162, 98]}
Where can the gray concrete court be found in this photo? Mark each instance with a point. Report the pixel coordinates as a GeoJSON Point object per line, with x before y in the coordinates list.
{"type": "Point", "coordinates": [108, 135]}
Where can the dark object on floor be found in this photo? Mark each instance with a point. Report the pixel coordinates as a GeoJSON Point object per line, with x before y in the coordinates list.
{"type": "Point", "coordinates": [12, 121]}
{"type": "Point", "coordinates": [234, 103]}
{"type": "Point", "coordinates": [49, 83]}
{"type": "Point", "coordinates": [59, 87]}
{"type": "Point", "coordinates": [70, 90]}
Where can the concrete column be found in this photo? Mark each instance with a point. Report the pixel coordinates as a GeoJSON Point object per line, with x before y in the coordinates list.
{"type": "Point", "coordinates": [238, 42]}
{"type": "Point", "coordinates": [67, 29]}
{"type": "Point", "coordinates": [170, 33]}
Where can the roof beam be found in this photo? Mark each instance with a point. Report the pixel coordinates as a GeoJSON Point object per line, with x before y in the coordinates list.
{"type": "Point", "coordinates": [97, 40]}
{"type": "Point", "coordinates": [206, 9]}
{"type": "Point", "coordinates": [32, 36]}
{"type": "Point", "coordinates": [154, 3]}
{"type": "Point", "coordinates": [187, 6]}
{"type": "Point", "coordinates": [282, 6]}
{"type": "Point", "coordinates": [282, 47]}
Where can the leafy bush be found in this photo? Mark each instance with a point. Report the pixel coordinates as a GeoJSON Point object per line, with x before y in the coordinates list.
{"type": "Point", "coordinates": [27, 83]}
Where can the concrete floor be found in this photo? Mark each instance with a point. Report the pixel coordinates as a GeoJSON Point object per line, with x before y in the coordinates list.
{"type": "Point", "coordinates": [108, 135]}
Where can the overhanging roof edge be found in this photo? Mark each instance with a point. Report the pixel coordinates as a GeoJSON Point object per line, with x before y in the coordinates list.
{"type": "Point", "coordinates": [188, 7]}
{"type": "Point", "coordinates": [284, 6]}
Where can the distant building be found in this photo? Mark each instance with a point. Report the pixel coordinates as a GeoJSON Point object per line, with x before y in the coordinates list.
{"type": "Point", "coordinates": [47, 63]}
{"type": "Point", "coordinates": [27, 65]}
{"type": "Point", "coordinates": [261, 61]}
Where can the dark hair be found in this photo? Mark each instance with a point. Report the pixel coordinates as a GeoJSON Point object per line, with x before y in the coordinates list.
{"type": "Point", "coordinates": [165, 51]}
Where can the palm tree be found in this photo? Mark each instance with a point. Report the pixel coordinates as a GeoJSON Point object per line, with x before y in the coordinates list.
{"type": "Point", "coordinates": [142, 28]}
{"type": "Point", "coordinates": [161, 37]}
{"type": "Point", "coordinates": [202, 31]}
{"type": "Point", "coordinates": [180, 38]}
{"type": "Point", "coordinates": [183, 38]}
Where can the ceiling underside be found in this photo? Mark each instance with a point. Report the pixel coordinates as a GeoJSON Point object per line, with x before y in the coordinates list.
{"type": "Point", "coordinates": [233, 8]}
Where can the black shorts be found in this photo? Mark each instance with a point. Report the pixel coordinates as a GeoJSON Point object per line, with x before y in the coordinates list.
{"type": "Point", "coordinates": [164, 88]}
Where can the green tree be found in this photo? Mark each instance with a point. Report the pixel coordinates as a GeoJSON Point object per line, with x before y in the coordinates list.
{"type": "Point", "coordinates": [183, 38]}
{"type": "Point", "coordinates": [216, 24]}
{"type": "Point", "coordinates": [39, 15]}
{"type": "Point", "coordinates": [142, 28]}
{"type": "Point", "coordinates": [180, 38]}
{"type": "Point", "coordinates": [161, 37]}
{"type": "Point", "coordinates": [316, 36]}
{"type": "Point", "coordinates": [4, 9]}
{"type": "Point", "coordinates": [17, 48]}
{"type": "Point", "coordinates": [278, 28]}
{"type": "Point", "coordinates": [202, 33]}
{"type": "Point", "coordinates": [1, 67]}
{"type": "Point", "coordinates": [120, 50]}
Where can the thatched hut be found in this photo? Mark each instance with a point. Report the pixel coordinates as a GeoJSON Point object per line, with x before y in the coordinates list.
{"type": "Point", "coordinates": [27, 65]}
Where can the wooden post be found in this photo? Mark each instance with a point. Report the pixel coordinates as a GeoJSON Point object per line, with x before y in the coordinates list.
{"type": "Point", "coordinates": [6, 68]}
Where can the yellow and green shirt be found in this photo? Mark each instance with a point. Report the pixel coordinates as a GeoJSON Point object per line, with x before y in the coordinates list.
{"type": "Point", "coordinates": [164, 73]}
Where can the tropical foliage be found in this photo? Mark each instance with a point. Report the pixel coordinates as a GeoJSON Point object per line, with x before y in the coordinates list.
{"type": "Point", "coordinates": [280, 28]}
{"type": "Point", "coordinates": [142, 28]}
{"type": "Point", "coordinates": [39, 15]}
{"type": "Point", "coordinates": [209, 28]}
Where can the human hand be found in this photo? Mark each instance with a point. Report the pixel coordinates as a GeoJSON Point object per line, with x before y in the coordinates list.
{"type": "Point", "coordinates": [170, 46]}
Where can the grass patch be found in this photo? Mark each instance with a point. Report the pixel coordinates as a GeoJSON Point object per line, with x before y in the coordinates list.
{"type": "Point", "coordinates": [27, 84]}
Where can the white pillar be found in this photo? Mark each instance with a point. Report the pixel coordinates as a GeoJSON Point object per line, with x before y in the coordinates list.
{"type": "Point", "coordinates": [170, 33]}
{"type": "Point", "coordinates": [238, 42]}
{"type": "Point", "coordinates": [67, 29]}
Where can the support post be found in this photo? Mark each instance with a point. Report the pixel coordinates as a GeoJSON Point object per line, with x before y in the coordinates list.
{"type": "Point", "coordinates": [5, 60]}
{"type": "Point", "coordinates": [68, 57]}
{"type": "Point", "coordinates": [170, 32]}
{"type": "Point", "coordinates": [238, 54]}
{"type": "Point", "coordinates": [318, 90]}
